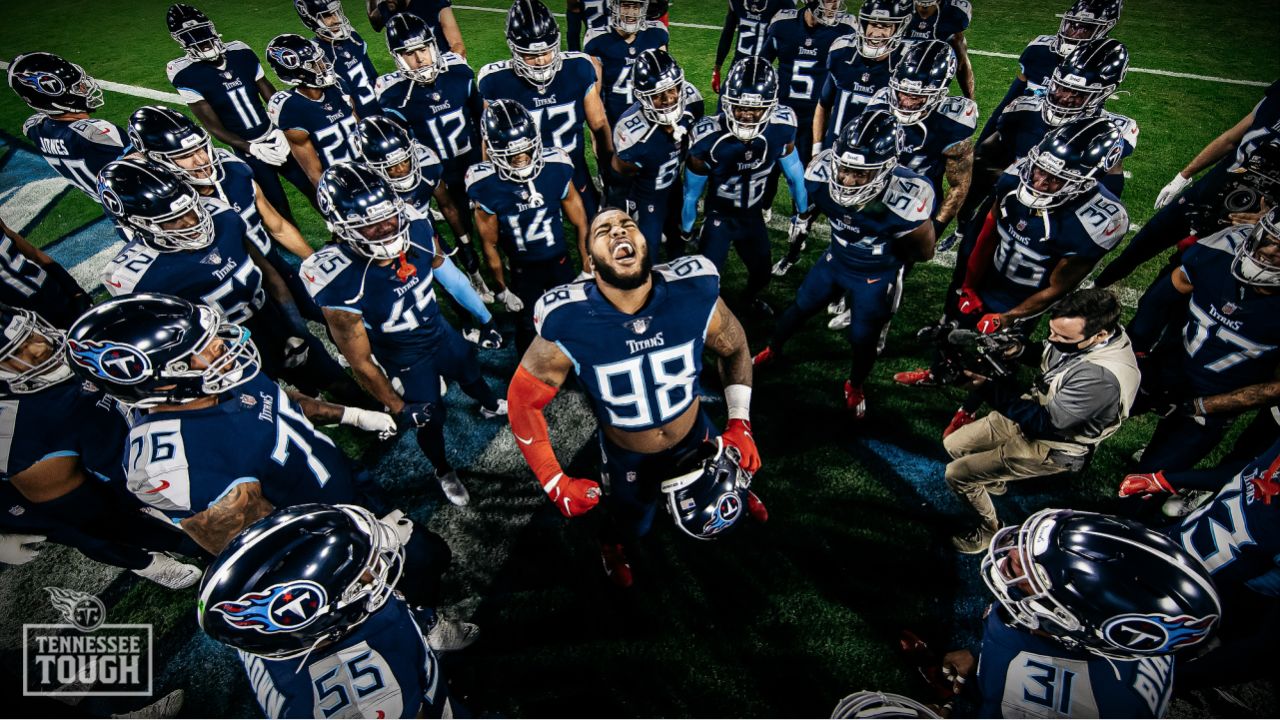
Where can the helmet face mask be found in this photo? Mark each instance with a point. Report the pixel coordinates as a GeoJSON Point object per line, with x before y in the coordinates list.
{"type": "Point", "coordinates": [163, 212]}
{"type": "Point", "coordinates": [658, 83]}
{"type": "Point", "coordinates": [855, 183]}
{"type": "Point", "coordinates": [1068, 162]}
{"type": "Point", "coordinates": [361, 208]}
{"type": "Point", "coordinates": [750, 98]}
{"type": "Point", "coordinates": [190, 228]}
{"type": "Point", "coordinates": [298, 61]}
{"type": "Point", "coordinates": [920, 81]}
{"type": "Point", "coordinates": [1257, 260]}
{"type": "Point", "coordinates": [1086, 21]}
{"type": "Point", "coordinates": [664, 105]}
{"type": "Point", "coordinates": [413, 46]}
{"type": "Point", "coordinates": [193, 30]}
{"type": "Point", "coordinates": [827, 12]}
{"type": "Point", "coordinates": [710, 498]}
{"type": "Point", "coordinates": [537, 65]}
{"type": "Point", "coordinates": [1045, 183]}
{"type": "Point", "coordinates": [30, 353]}
{"type": "Point", "coordinates": [1069, 97]}
{"type": "Point", "coordinates": [325, 18]}
{"type": "Point", "coordinates": [52, 85]}
{"type": "Point", "coordinates": [881, 25]}
{"type": "Point", "coordinates": [387, 148]}
{"type": "Point", "coordinates": [628, 16]}
{"type": "Point", "coordinates": [533, 37]}
{"type": "Point", "coordinates": [513, 141]}
{"type": "Point", "coordinates": [863, 159]}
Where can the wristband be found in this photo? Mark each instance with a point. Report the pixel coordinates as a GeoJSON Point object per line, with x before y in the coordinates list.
{"type": "Point", "coordinates": [738, 398]}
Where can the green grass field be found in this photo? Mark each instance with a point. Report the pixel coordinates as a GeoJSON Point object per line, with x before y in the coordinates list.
{"type": "Point", "coordinates": [780, 620]}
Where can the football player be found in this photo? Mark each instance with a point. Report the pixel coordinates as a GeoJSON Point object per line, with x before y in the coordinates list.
{"type": "Point", "coordinates": [377, 289]}
{"type": "Point", "coordinates": [615, 48]}
{"type": "Point", "coordinates": [1092, 612]}
{"type": "Point", "coordinates": [584, 15]}
{"type": "Point", "coordinates": [858, 66]}
{"type": "Point", "coordinates": [515, 195]}
{"type": "Point", "coordinates": [1227, 155]}
{"type": "Point", "coordinates": [435, 95]}
{"type": "Point", "coordinates": [560, 90]}
{"type": "Point", "coordinates": [346, 51]}
{"type": "Point", "coordinates": [64, 97]}
{"type": "Point", "coordinates": [879, 214]}
{"type": "Point", "coordinates": [322, 633]}
{"type": "Point", "coordinates": [734, 152]}
{"type": "Point", "coordinates": [193, 376]}
{"type": "Point", "coordinates": [316, 115]}
{"type": "Point", "coordinates": [1084, 22]}
{"type": "Point", "coordinates": [32, 280]}
{"type": "Point", "coordinates": [200, 249]}
{"type": "Point", "coordinates": [945, 20]}
{"type": "Point", "coordinates": [1230, 336]}
{"type": "Point", "coordinates": [749, 20]}
{"type": "Point", "coordinates": [634, 337]}
{"type": "Point", "coordinates": [60, 469]}
{"type": "Point", "coordinates": [438, 15]}
{"type": "Point", "coordinates": [172, 140]}
{"type": "Point", "coordinates": [1052, 223]}
{"type": "Point", "coordinates": [651, 142]}
{"type": "Point", "coordinates": [226, 89]}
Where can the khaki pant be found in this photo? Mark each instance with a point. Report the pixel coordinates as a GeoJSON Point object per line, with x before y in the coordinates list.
{"type": "Point", "coordinates": [990, 451]}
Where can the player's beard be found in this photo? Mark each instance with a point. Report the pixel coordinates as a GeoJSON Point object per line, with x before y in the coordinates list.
{"type": "Point", "coordinates": [631, 282]}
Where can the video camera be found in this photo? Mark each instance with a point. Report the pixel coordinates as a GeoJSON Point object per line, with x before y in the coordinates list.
{"type": "Point", "coordinates": [1243, 192]}
{"type": "Point", "coordinates": [993, 356]}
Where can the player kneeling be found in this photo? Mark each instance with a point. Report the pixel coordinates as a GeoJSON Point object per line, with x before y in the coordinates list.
{"type": "Point", "coordinates": [634, 335]}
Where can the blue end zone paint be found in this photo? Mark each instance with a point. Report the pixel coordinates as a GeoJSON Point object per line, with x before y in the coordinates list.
{"type": "Point", "coordinates": [20, 166]}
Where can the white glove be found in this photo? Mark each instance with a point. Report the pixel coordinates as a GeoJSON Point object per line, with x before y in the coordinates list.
{"type": "Point", "coordinates": [799, 226]}
{"type": "Point", "coordinates": [1172, 190]}
{"type": "Point", "coordinates": [510, 300]}
{"type": "Point", "coordinates": [816, 151]}
{"type": "Point", "coordinates": [482, 289]}
{"type": "Point", "coordinates": [14, 550]}
{"type": "Point", "coordinates": [400, 525]}
{"type": "Point", "coordinates": [295, 352]}
{"type": "Point", "coordinates": [273, 149]}
{"type": "Point", "coordinates": [369, 420]}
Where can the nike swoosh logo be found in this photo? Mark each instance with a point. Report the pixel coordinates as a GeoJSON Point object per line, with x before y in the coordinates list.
{"type": "Point", "coordinates": [921, 208]}
{"type": "Point", "coordinates": [309, 277]}
{"type": "Point", "coordinates": [113, 283]}
{"type": "Point", "coordinates": [872, 281]}
{"type": "Point", "coordinates": [164, 485]}
{"type": "Point", "coordinates": [522, 440]}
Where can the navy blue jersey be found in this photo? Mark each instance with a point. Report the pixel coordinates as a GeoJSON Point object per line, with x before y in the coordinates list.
{"type": "Point", "coordinates": [752, 26]}
{"type": "Point", "coordinates": [20, 278]}
{"type": "Point", "coordinates": [1232, 335]}
{"type": "Point", "coordinates": [1021, 125]}
{"type": "Point", "coordinates": [862, 239]}
{"type": "Point", "coordinates": [401, 316]}
{"type": "Point", "coordinates": [530, 219]}
{"type": "Point", "coordinates": [1022, 675]}
{"type": "Point", "coordinates": [654, 150]}
{"type": "Point", "coordinates": [182, 462]}
{"type": "Point", "coordinates": [801, 52]}
{"type": "Point", "coordinates": [924, 142]}
{"type": "Point", "coordinates": [442, 115]}
{"type": "Point", "coordinates": [852, 81]}
{"type": "Point", "coordinates": [329, 121]}
{"type": "Point", "coordinates": [237, 190]}
{"type": "Point", "coordinates": [356, 75]}
{"type": "Point", "coordinates": [616, 57]}
{"type": "Point", "coordinates": [428, 10]}
{"type": "Point", "coordinates": [952, 17]}
{"type": "Point", "coordinates": [77, 150]}
{"type": "Point", "coordinates": [560, 111]}
{"type": "Point", "coordinates": [739, 172]}
{"type": "Point", "coordinates": [221, 275]}
{"type": "Point", "coordinates": [1037, 63]}
{"type": "Point", "coordinates": [640, 371]}
{"type": "Point", "coordinates": [383, 668]}
{"type": "Point", "coordinates": [230, 88]}
{"type": "Point", "coordinates": [70, 419]}
{"type": "Point", "coordinates": [1033, 242]}
{"type": "Point", "coordinates": [1237, 535]}
{"type": "Point", "coordinates": [418, 200]}
{"type": "Point", "coordinates": [1265, 127]}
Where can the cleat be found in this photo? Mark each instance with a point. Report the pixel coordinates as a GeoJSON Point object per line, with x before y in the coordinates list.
{"type": "Point", "coordinates": [975, 542]}
{"type": "Point", "coordinates": [501, 410]}
{"type": "Point", "coordinates": [836, 307]}
{"type": "Point", "coordinates": [920, 377]}
{"type": "Point", "coordinates": [841, 321]}
{"type": "Point", "coordinates": [453, 488]}
{"type": "Point", "coordinates": [783, 266]}
{"type": "Point", "coordinates": [959, 420]}
{"type": "Point", "coordinates": [756, 508]}
{"type": "Point", "coordinates": [949, 241]}
{"type": "Point", "coordinates": [1137, 454]}
{"type": "Point", "coordinates": [767, 356]}
{"type": "Point", "coordinates": [170, 573]}
{"type": "Point", "coordinates": [616, 565]}
{"type": "Point", "coordinates": [448, 635]}
{"type": "Point", "coordinates": [855, 400]}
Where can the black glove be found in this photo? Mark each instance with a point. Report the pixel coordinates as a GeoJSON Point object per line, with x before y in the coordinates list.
{"type": "Point", "coordinates": [1193, 409]}
{"type": "Point", "coordinates": [490, 338]}
{"type": "Point", "coordinates": [413, 415]}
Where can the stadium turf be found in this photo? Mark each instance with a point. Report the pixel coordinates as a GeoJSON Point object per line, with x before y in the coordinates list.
{"type": "Point", "coordinates": [780, 620]}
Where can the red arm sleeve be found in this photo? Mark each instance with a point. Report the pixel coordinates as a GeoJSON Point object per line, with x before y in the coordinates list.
{"type": "Point", "coordinates": [983, 248]}
{"type": "Point", "coordinates": [526, 397]}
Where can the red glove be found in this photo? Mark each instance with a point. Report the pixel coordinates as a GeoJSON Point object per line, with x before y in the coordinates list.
{"type": "Point", "coordinates": [990, 323]}
{"type": "Point", "coordinates": [715, 81]}
{"type": "Point", "coordinates": [969, 302]}
{"type": "Point", "coordinates": [573, 496]}
{"type": "Point", "coordinates": [737, 434]}
{"type": "Point", "coordinates": [1145, 484]}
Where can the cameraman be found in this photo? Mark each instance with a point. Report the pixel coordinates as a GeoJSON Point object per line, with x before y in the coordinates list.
{"type": "Point", "coordinates": [1183, 196]}
{"type": "Point", "coordinates": [1088, 381]}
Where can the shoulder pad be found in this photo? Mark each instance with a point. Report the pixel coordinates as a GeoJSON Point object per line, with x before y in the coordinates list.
{"type": "Point", "coordinates": [654, 25]}
{"type": "Point", "coordinates": [1227, 240]}
{"type": "Point", "coordinates": [102, 132]}
{"type": "Point", "coordinates": [215, 205]}
{"type": "Point", "coordinates": [494, 67]}
{"type": "Point", "coordinates": [684, 268]}
{"type": "Point", "coordinates": [324, 265]}
{"type": "Point", "coordinates": [427, 156]}
{"type": "Point", "coordinates": [709, 125]}
{"type": "Point", "coordinates": [594, 33]}
{"type": "Point", "coordinates": [784, 15]}
{"type": "Point", "coordinates": [33, 121]}
{"type": "Point", "coordinates": [1128, 128]}
{"type": "Point", "coordinates": [226, 156]}
{"type": "Point", "coordinates": [478, 172]}
{"type": "Point", "coordinates": [275, 105]}
{"type": "Point", "coordinates": [556, 155]}
{"type": "Point", "coordinates": [576, 54]}
{"type": "Point", "coordinates": [843, 41]}
{"type": "Point", "coordinates": [910, 198]}
{"type": "Point", "coordinates": [238, 45]}
{"type": "Point", "coordinates": [1024, 103]}
{"type": "Point", "coordinates": [386, 81]}
{"type": "Point", "coordinates": [122, 275]}
{"type": "Point", "coordinates": [816, 170]}
{"type": "Point", "coordinates": [961, 110]}
{"type": "Point", "coordinates": [454, 60]}
{"type": "Point", "coordinates": [629, 131]}
{"type": "Point", "coordinates": [1044, 40]}
{"type": "Point", "coordinates": [847, 19]}
{"type": "Point", "coordinates": [1104, 219]}
{"type": "Point", "coordinates": [553, 300]}
{"type": "Point", "coordinates": [164, 484]}
{"type": "Point", "coordinates": [784, 115]}
{"type": "Point", "coordinates": [962, 7]}
{"type": "Point", "coordinates": [691, 92]}
{"type": "Point", "coordinates": [176, 66]}
{"type": "Point", "coordinates": [880, 97]}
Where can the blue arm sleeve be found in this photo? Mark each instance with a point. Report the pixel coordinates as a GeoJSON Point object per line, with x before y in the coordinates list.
{"type": "Point", "coordinates": [794, 170]}
{"type": "Point", "coordinates": [1114, 182]}
{"type": "Point", "coordinates": [452, 280]}
{"type": "Point", "coordinates": [693, 185]}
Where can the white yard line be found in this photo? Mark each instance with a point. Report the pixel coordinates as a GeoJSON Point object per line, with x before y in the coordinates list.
{"type": "Point", "coordinates": [135, 90]}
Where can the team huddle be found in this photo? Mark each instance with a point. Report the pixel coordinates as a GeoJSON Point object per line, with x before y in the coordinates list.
{"type": "Point", "coordinates": [222, 321]}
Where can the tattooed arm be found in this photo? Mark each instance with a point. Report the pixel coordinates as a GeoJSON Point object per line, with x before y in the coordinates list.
{"type": "Point", "coordinates": [217, 526]}
{"type": "Point", "coordinates": [727, 339]}
{"type": "Point", "coordinates": [959, 177]}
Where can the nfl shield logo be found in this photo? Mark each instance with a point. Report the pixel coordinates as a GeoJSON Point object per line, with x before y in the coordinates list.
{"type": "Point", "coordinates": [808, 42]}
{"type": "Point", "coordinates": [1228, 308]}
{"type": "Point", "coordinates": [747, 156]}
{"type": "Point", "coordinates": [213, 258]}
{"type": "Point", "coordinates": [866, 77]}
{"type": "Point", "coordinates": [639, 326]}
{"type": "Point", "coordinates": [1022, 225]}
